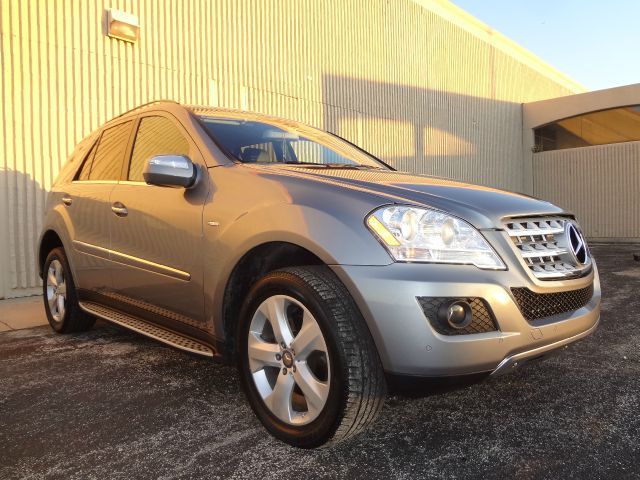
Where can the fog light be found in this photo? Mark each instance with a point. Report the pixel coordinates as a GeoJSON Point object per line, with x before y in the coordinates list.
{"type": "Point", "coordinates": [456, 314]}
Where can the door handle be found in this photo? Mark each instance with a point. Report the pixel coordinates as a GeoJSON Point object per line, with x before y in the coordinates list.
{"type": "Point", "coordinates": [119, 209]}
{"type": "Point", "coordinates": [67, 200]}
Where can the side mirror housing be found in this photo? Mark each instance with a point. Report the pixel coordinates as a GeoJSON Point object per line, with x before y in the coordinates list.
{"type": "Point", "coordinates": [170, 171]}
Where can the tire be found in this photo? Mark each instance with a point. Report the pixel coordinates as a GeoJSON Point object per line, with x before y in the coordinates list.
{"type": "Point", "coordinates": [345, 391]}
{"type": "Point", "coordinates": [65, 316]}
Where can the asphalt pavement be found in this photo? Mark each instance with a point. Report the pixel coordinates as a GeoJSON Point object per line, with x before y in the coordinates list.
{"type": "Point", "coordinates": [113, 404]}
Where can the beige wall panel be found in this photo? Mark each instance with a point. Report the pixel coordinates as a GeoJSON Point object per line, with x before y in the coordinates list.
{"type": "Point", "coordinates": [418, 85]}
{"type": "Point", "coordinates": [599, 184]}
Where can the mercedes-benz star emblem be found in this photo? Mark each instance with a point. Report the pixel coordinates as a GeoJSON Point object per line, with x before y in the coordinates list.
{"type": "Point", "coordinates": [576, 243]}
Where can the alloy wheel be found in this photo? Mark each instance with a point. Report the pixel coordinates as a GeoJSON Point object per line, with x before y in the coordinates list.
{"type": "Point", "coordinates": [56, 290]}
{"type": "Point", "coordinates": [289, 360]}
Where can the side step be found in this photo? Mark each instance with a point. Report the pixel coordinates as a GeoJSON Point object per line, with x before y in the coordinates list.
{"type": "Point", "coordinates": [153, 331]}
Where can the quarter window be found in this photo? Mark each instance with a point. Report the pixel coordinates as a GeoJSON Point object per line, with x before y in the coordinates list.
{"type": "Point", "coordinates": [85, 170]}
{"type": "Point", "coordinates": [156, 136]}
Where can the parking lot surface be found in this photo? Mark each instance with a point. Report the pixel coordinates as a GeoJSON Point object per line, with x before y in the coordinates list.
{"type": "Point", "coordinates": [112, 404]}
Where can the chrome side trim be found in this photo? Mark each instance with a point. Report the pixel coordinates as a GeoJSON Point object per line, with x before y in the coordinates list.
{"type": "Point", "coordinates": [132, 182]}
{"type": "Point", "coordinates": [91, 249]}
{"type": "Point", "coordinates": [130, 260]}
{"type": "Point", "coordinates": [148, 265]}
{"type": "Point", "coordinates": [96, 182]}
{"type": "Point", "coordinates": [512, 360]}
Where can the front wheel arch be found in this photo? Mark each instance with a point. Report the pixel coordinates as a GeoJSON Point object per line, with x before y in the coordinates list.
{"type": "Point", "coordinates": [252, 266]}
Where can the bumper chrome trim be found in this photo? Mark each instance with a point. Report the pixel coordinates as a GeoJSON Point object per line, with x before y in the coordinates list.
{"type": "Point", "coordinates": [512, 360]}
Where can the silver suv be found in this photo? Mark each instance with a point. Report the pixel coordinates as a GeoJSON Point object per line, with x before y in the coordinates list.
{"type": "Point", "coordinates": [318, 269]}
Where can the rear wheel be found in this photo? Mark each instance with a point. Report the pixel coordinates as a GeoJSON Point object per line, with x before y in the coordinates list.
{"type": "Point", "coordinates": [60, 296]}
{"type": "Point", "coordinates": [307, 360]}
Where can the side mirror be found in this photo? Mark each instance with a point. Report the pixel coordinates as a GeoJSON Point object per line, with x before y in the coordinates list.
{"type": "Point", "coordinates": [170, 171]}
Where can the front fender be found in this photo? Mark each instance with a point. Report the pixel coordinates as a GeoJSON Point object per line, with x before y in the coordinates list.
{"type": "Point", "coordinates": [333, 238]}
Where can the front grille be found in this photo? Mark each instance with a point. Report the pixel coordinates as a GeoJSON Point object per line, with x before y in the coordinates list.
{"type": "Point", "coordinates": [535, 306]}
{"type": "Point", "coordinates": [483, 320]}
{"type": "Point", "coordinates": [544, 246]}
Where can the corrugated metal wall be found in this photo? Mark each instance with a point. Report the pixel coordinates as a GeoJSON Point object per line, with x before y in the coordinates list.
{"type": "Point", "coordinates": [599, 184]}
{"type": "Point", "coordinates": [423, 92]}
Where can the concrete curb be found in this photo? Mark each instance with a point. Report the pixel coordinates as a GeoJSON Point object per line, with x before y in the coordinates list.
{"type": "Point", "coordinates": [20, 313]}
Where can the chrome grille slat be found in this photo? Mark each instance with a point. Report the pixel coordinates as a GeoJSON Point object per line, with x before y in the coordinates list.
{"type": "Point", "coordinates": [536, 232]}
{"type": "Point", "coordinates": [544, 248]}
{"type": "Point", "coordinates": [543, 253]}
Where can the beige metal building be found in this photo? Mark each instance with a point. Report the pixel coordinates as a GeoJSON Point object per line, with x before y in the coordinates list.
{"type": "Point", "coordinates": [586, 157]}
{"type": "Point", "coordinates": [421, 84]}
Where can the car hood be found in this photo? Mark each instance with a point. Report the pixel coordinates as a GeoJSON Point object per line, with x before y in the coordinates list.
{"type": "Point", "coordinates": [483, 207]}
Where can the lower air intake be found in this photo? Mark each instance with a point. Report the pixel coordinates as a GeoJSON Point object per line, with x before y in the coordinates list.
{"type": "Point", "coordinates": [535, 306]}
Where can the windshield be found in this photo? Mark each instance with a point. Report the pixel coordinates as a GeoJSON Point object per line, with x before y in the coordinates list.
{"type": "Point", "coordinates": [268, 144]}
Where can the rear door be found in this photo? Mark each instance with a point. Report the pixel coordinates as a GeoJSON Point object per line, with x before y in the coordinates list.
{"type": "Point", "coordinates": [156, 232]}
{"type": "Point", "coordinates": [86, 201]}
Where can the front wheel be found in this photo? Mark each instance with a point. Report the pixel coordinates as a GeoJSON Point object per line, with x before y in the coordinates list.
{"type": "Point", "coordinates": [307, 360]}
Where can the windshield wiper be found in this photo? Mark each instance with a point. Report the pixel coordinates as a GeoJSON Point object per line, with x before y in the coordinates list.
{"type": "Point", "coordinates": [346, 166]}
{"type": "Point", "coordinates": [354, 167]}
{"type": "Point", "coordinates": [304, 163]}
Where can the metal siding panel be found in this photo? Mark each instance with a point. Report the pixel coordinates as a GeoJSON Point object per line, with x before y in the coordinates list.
{"type": "Point", "coordinates": [419, 90]}
{"type": "Point", "coordinates": [599, 184]}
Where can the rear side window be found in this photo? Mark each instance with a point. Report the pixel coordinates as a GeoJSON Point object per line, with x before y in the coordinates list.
{"type": "Point", "coordinates": [156, 136]}
{"type": "Point", "coordinates": [104, 161]}
{"type": "Point", "coordinates": [107, 160]}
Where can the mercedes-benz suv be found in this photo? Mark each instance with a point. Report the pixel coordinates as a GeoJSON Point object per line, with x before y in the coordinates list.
{"type": "Point", "coordinates": [317, 268]}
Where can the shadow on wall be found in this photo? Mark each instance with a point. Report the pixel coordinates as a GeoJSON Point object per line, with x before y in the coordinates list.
{"type": "Point", "coordinates": [428, 131]}
{"type": "Point", "coordinates": [21, 208]}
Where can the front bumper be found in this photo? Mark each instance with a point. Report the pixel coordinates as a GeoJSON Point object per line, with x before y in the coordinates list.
{"type": "Point", "coordinates": [408, 344]}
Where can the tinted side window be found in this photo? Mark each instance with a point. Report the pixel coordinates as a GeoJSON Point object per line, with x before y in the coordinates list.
{"type": "Point", "coordinates": [83, 174]}
{"type": "Point", "coordinates": [107, 160]}
{"type": "Point", "coordinates": [156, 136]}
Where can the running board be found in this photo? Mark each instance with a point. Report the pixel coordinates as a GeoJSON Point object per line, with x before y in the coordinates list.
{"type": "Point", "coordinates": [145, 328]}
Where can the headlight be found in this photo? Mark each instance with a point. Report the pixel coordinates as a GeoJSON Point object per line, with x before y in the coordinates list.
{"type": "Point", "coordinates": [414, 234]}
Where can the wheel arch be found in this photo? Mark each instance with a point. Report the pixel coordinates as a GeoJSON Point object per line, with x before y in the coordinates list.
{"type": "Point", "coordinates": [254, 264]}
{"type": "Point", "coordinates": [48, 241]}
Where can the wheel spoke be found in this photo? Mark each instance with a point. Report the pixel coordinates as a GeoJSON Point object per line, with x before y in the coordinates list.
{"type": "Point", "coordinates": [315, 392]}
{"type": "Point", "coordinates": [262, 354]}
{"type": "Point", "coordinates": [59, 273]}
{"type": "Point", "coordinates": [60, 302]}
{"type": "Point", "coordinates": [279, 401]}
{"type": "Point", "coordinates": [276, 314]}
{"type": "Point", "coordinates": [51, 277]}
{"type": "Point", "coordinates": [309, 338]}
{"type": "Point", "coordinates": [52, 300]}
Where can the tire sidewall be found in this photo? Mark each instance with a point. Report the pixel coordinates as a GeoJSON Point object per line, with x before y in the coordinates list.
{"type": "Point", "coordinates": [319, 430]}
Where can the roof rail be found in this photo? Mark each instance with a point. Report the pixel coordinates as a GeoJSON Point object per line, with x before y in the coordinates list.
{"type": "Point", "coordinates": [139, 107]}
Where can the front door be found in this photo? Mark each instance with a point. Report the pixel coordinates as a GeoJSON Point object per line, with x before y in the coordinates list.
{"type": "Point", "coordinates": [156, 232]}
{"type": "Point", "coordinates": [87, 202]}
